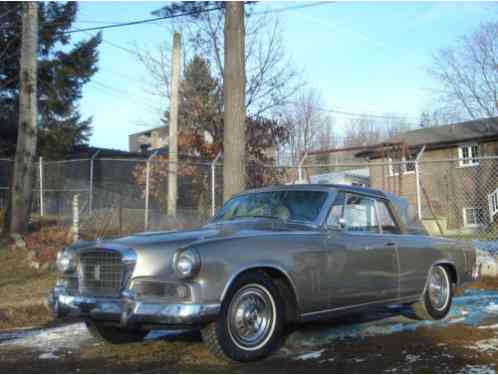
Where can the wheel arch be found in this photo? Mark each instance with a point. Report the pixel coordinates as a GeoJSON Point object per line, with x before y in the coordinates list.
{"type": "Point", "coordinates": [283, 281]}
{"type": "Point", "coordinates": [450, 266]}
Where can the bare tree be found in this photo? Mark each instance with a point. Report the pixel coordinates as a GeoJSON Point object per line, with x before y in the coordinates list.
{"type": "Point", "coordinates": [309, 127]}
{"type": "Point", "coordinates": [468, 75]}
{"type": "Point", "coordinates": [271, 79]}
{"type": "Point", "coordinates": [22, 184]}
{"type": "Point", "coordinates": [367, 130]}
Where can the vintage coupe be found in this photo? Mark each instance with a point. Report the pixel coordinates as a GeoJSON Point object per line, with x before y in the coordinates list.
{"type": "Point", "coordinates": [269, 257]}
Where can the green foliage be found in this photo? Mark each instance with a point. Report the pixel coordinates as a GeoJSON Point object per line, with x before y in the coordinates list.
{"type": "Point", "coordinates": [63, 70]}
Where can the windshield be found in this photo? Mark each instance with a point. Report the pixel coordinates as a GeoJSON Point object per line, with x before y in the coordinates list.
{"type": "Point", "coordinates": [286, 205]}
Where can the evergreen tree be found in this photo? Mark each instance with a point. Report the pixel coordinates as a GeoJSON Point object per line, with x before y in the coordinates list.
{"type": "Point", "coordinates": [63, 70]}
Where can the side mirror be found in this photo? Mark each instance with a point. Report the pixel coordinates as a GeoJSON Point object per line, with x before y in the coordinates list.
{"type": "Point", "coordinates": [343, 223]}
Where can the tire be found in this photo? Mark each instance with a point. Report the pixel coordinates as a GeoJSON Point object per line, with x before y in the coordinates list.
{"type": "Point", "coordinates": [432, 308]}
{"type": "Point", "coordinates": [251, 322]}
{"type": "Point", "coordinates": [114, 335]}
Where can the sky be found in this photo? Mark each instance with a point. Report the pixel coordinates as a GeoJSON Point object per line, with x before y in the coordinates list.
{"type": "Point", "coordinates": [363, 57]}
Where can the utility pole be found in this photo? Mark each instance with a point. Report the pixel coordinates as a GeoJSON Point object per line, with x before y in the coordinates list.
{"type": "Point", "coordinates": [234, 79]}
{"type": "Point", "coordinates": [22, 181]}
{"type": "Point", "coordinates": [173, 124]}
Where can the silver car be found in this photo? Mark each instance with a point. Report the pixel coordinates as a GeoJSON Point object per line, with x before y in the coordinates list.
{"type": "Point", "coordinates": [269, 257]}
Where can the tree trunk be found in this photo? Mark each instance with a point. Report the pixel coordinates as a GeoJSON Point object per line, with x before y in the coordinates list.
{"type": "Point", "coordinates": [23, 177]}
{"type": "Point", "coordinates": [234, 143]}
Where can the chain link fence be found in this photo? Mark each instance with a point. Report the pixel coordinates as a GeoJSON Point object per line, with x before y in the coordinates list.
{"type": "Point", "coordinates": [455, 198]}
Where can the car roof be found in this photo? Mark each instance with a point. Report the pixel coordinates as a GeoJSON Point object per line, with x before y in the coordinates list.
{"type": "Point", "coordinates": [320, 187]}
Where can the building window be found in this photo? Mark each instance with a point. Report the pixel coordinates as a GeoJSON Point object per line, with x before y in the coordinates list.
{"type": "Point", "coordinates": [468, 155]}
{"type": "Point", "coordinates": [472, 216]}
{"type": "Point", "coordinates": [406, 166]}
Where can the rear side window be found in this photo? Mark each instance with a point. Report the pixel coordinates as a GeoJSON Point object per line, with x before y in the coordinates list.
{"type": "Point", "coordinates": [360, 214]}
{"type": "Point", "coordinates": [386, 219]}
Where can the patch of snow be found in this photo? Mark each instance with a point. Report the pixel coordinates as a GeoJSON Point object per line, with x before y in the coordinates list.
{"type": "Point", "coordinates": [310, 355]}
{"type": "Point", "coordinates": [492, 326]}
{"type": "Point", "coordinates": [478, 369]}
{"type": "Point", "coordinates": [492, 307]}
{"type": "Point", "coordinates": [411, 358]}
{"type": "Point", "coordinates": [48, 356]}
{"type": "Point", "coordinates": [484, 346]}
{"type": "Point", "coordinates": [66, 337]}
{"type": "Point", "coordinates": [359, 360]}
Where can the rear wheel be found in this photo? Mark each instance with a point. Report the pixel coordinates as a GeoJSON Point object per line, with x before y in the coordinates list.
{"type": "Point", "coordinates": [435, 303]}
{"type": "Point", "coordinates": [251, 321]}
{"type": "Point", "coordinates": [114, 335]}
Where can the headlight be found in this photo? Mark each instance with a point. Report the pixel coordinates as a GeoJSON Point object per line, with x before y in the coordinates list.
{"type": "Point", "coordinates": [186, 263]}
{"type": "Point", "coordinates": [66, 261]}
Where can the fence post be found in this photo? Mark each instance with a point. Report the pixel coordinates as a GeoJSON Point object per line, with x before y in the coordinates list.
{"type": "Point", "coordinates": [417, 182]}
{"type": "Point", "coordinates": [300, 168]}
{"type": "Point", "coordinates": [90, 197]}
{"type": "Point", "coordinates": [213, 184]}
{"type": "Point", "coordinates": [40, 168]}
{"type": "Point", "coordinates": [76, 218]}
{"type": "Point", "coordinates": [147, 188]}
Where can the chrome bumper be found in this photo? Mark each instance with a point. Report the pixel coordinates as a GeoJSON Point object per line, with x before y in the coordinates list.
{"type": "Point", "coordinates": [129, 311]}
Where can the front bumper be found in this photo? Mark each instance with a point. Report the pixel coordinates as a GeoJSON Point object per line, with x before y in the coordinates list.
{"type": "Point", "coordinates": [129, 311]}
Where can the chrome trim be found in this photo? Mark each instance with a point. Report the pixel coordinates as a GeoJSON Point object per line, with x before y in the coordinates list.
{"type": "Point", "coordinates": [128, 311]}
{"type": "Point", "coordinates": [386, 301]}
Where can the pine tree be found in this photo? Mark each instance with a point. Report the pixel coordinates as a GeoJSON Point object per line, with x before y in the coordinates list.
{"type": "Point", "coordinates": [63, 70]}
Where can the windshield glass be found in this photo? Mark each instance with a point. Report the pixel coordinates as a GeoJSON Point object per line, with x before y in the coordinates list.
{"type": "Point", "coordinates": [286, 205]}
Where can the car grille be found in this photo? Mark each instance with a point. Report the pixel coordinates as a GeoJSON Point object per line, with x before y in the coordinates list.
{"type": "Point", "coordinates": [101, 273]}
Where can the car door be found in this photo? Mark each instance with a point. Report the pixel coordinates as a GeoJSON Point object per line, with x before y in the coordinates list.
{"type": "Point", "coordinates": [364, 264]}
{"type": "Point", "coordinates": [414, 255]}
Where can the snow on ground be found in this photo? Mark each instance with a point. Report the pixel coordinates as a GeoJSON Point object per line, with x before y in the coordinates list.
{"type": "Point", "coordinates": [484, 346]}
{"type": "Point", "coordinates": [310, 355]}
{"type": "Point", "coordinates": [475, 307]}
{"type": "Point", "coordinates": [47, 341]}
{"type": "Point", "coordinates": [478, 369]}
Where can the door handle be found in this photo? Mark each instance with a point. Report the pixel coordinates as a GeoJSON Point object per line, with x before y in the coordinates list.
{"type": "Point", "coordinates": [391, 244]}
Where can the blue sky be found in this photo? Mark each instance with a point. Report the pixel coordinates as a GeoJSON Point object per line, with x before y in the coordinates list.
{"type": "Point", "coordinates": [362, 57]}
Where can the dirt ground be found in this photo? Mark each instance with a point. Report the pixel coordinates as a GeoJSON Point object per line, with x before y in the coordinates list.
{"type": "Point", "coordinates": [382, 341]}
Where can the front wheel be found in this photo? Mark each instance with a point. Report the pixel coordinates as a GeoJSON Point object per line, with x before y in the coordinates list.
{"type": "Point", "coordinates": [251, 320]}
{"type": "Point", "coordinates": [435, 303]}
{"type": "Point", "coordinates": [114, 335]}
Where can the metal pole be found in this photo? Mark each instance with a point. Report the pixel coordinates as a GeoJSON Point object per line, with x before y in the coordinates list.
{"type": "Point", "coordinates": [300, 167]}
{"type": "Point", "coordinates": [90, 197]}
{"type": "Point", "coordinates": [76, 218]}
{"type": "Point", "coordinates": [213, 184]}
{"type": "Point", "coordinates": [40, 162]}
{"type": "Point", "coordinates": [147, 188]}
{"type": "Point", "coordinates": [417, 181]}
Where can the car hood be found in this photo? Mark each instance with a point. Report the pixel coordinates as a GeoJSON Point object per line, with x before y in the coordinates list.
{"type": "Point", "coordinates": [155, 250]}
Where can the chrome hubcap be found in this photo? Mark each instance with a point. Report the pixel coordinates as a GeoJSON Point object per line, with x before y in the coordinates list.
{"type": "Point", "coordinates": [251, 317]}
{"type": "Point", "coordinates": [439, 289]}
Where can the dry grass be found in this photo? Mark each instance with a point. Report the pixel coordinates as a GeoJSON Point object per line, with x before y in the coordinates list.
{"type": "Point", "coordinates": [484, 283]}
{"type": "Point", "coordinates": [22, 290]}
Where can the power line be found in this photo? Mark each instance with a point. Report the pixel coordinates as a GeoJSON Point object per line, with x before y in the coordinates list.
{"type": "Point", "coordinates": [191, 13]}
{"type": "Point", "coordinates": [148, 20]}
{"type": "Point", "coordinates": [295, 7]}
{"type": "Point", "coordinates": [361, 115]}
